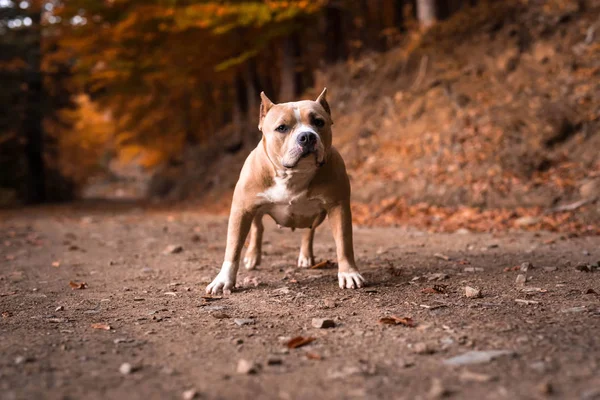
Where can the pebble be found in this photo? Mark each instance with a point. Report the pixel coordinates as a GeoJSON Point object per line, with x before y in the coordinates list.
{"type": "Point", "coordinates": [323, 323]}
{"type": "Point", "coordinates": [477, 357]}
{"type": "Point", "coordinates": [59, 308]}
{"type": "Point", "coordinates": [246, 367]}
{"type": "Point", "coordinates": [437, 390]}
{"type": "Point", "coordinates": [468, 376]}
{"type": "Point", "coordinates": [472, 293]}
{"type": "Point", "coordinates": [242, 322]}
{"type": "Point", "coordinates": [473, 269]}
{"type": "Point", "coordinates": [126, 369]}
{"type": "Point", "coordinates": [521, 279]}
{"type": "Point", "coordinates": [526, 266]}
{"type": "Point", "coordinates": [423, 348]}
{"type": "Point", "coordinates": [190, 394]}
{"type": "Point", "coordinates": [173, 249]}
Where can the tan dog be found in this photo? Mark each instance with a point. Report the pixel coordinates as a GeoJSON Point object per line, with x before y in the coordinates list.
{"type": "Point", "coordinates": [295, 176]}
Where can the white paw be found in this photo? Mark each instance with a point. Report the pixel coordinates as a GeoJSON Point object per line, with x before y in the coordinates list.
{"type": "Point", "coordinates": [225, 280]}
{"type": "Point", "coordinates": [251, 261]}
{"type": "Point", "coordinates": [350, 280]}
{"type": "Point", "coordinates": [305, 262]}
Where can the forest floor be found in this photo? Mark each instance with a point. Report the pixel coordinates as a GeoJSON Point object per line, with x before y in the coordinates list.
{"type": "Point", "coordinates": [141, 329]}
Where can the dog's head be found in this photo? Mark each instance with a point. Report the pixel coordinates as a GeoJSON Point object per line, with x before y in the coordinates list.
{"type": "Point", "coordinates": [296, 131]}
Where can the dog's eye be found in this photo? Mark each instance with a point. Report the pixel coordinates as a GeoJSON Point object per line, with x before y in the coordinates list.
{"type": "Point", "coordinates": [281, 128]}
{"type": "Point", "coordinates": [319, 123]}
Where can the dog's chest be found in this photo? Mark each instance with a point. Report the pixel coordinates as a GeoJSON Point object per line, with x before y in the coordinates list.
{"type": "Point", "coordinates": [287, 203]}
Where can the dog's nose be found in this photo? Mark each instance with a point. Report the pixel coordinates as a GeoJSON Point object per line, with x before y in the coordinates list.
{"type": "Point", "coordinates": [307, 139]}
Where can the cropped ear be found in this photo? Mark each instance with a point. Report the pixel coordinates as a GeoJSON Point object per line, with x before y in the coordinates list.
{"type": "Point", "coordinates": [265, 106]}
{"type": "Point", "coordinates": [322, 100]}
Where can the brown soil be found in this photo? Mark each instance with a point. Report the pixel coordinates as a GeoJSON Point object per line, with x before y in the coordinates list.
{"type": "Point", "coordinates": [175, 341]}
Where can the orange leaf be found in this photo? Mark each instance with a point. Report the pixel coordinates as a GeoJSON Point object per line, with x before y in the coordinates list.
{"type": "Point", "coordinates": [104, 327]}
{"type": "Point", "coordinates": [78, 285]}
{"type": "Point", "coordinates": [299, 341]}
{"type": "Point", "coordinates": [393, 320]}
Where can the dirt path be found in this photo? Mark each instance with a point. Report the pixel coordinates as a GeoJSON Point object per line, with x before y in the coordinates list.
{"type": "Point", "coordinates": [176, 341]}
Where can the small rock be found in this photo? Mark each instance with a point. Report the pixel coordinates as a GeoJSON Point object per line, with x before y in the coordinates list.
{"type": "Point", "coordinates": [437, 277]}
{"type": "Point", "coordinates": [545, 388]}
{"type": "Point", "coordinates": [590, 190]}
{"type": "Point", "coordinates": [473, 269]}
{"type": "Point", "coordinates": [126, 369]}
{"type": "Point", "coordinates": [59, 308]}
{"type": "Point", "coordinates": [274, 361]}
{"type": "Point", "coordinates": [329, 304]}
{"type": "Point", "coordinates": [550, 269]}
{"type": "Point", "coordinates": [220, 315]}
{"type": "Point", "coordinates": [323, 323]}
{"type": "Point", "coordinates": [246, 367]}
{"type": "Point", "coordinates": [423, 348]}
{"type": "Point", "coordinates": [242, 322]}
{"type": "Point", "coordinates": [173, 249]}
{"type": "Point", "coordinates": [477, 357]}
{"type": "Point", "coordinates": [520, 281]}
{"type": "Point", "coordinates": [190, 394]}
{"type": "Point", "coordinates": [472, 293]}
{"type": "Point", "coordinates": [526, 266]}
{"type": "Point", "coordinates": [22, 360]}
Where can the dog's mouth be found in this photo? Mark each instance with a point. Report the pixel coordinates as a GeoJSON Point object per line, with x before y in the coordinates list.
{"type": "Point", "coordinates": [295, 156]}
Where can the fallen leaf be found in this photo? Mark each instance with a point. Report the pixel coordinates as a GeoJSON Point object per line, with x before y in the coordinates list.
{"type": "Point", "coordinates": [100, 325]}
{"type": "Point", "coordinates": [323, 265]}
{"type": "Point", "coordinates": [436, 289]}
{"type": "Point", "coordinates": [299, 341]}
{"type": "Point", "coordinates": [78, 285]}
{"type": "Point", "coordinates": [313, 356]}
{"type": "Point", "coordinates": [394, 320]}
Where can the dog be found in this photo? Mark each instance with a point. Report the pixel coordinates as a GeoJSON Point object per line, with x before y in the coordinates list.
{"type": "Point", "coordinates": [296, 177]}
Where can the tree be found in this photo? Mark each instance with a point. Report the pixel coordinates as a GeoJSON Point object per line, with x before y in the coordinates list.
{"type": "Point", "coordinates": [426, 12]}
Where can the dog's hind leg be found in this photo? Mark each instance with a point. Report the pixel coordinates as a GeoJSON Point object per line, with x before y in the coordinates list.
{"type": "Point", "coordinates": [253, 253]}
{"type": "Point", "coordinates": [307, 258]}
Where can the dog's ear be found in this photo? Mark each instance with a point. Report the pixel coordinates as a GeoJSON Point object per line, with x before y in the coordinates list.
{"type": "Point", "coordinates": [265, 106]}
{"type": "Point", "coordinates": [322, 100]}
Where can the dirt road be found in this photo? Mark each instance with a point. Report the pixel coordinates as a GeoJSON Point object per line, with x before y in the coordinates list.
{"type": "Point", "coordinates": [175, 341]}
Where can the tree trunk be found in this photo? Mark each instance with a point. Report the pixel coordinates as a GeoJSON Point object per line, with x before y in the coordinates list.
{"type": "Point", "coordinates": [334, 39]}
{"type": "Point", "coordinates": [33, 123]}
{"type": "Point", "coordinates": [289, 80]}
{"type": "Point", "coordinates": [426, 12]}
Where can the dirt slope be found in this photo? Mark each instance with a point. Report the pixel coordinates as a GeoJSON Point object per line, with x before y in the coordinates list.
{"type": "Point", "coordinates": [176, 341]}
{"type": "Point", "coordinates": [496, 110]}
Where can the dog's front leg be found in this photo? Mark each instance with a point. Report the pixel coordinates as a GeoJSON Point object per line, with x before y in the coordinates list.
{"type": "Point", "coordinates": [340, 219]}
{"type": "Point", "coordinates": [237, 230]}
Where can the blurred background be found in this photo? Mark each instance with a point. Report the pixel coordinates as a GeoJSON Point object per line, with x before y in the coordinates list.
{"type": "Point", "coordinates": [451, 114]}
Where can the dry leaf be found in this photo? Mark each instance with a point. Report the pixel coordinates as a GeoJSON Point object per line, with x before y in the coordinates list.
{"type": "Point", "coordinates": [100, 325]}
{"type": "Point", "coordinates": [299, 341]}
{"type": "Point", "coordinates": [313, 356]}
{"type": "Point", "coordinates": [393, 320]}
{"type": "Point", "coordinates": [323, 265]}
{"type": "Point", "coordinates": [78, 285]}
{"type": "Point", "coordinates": [436, 289]}
{"type": "Point", "coordinates": [56, 264]}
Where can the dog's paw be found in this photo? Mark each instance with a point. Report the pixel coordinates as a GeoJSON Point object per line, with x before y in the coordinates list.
{"type": "Point", "coordinates": [251, 261]}
{"type": "Point", "coordinates": [225, 280]}
{"type": "Point", "coordinates": [305, 261]}
{"type": "Point", "coordinates": [350, 280]}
